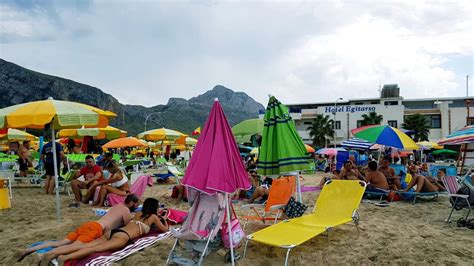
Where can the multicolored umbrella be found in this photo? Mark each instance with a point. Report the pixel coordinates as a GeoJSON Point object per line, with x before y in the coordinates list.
{"type": "Point", "coordinates": [15, 134]}
{"type": "Point", "coordinates": [356, 144]}
{"type": "Point", "coordinates": [462, 136]}
{"type": "Point", "coordinates": [124, 142]}
{"type": "Point", "coordinates": [282, 150]}
{"type": "Point", "coordinates": [385, 135]}
{"type": "Point", "coordinates": [329, 151]}
{"type": "Point", "coordinates": [244, 130]}
{"type": "Point", "coordinates": [160, 134]}
{"type": "Point", "coordinates": [98, 133]}
{"type": "Point", "coordinates": [57, 114]}
{"type": "Point", "coordinates": [216, 165]}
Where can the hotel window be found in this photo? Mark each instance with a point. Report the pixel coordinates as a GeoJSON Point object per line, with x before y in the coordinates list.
{"type": "Point", "coordinates": [359, 123]}
{"type": "Point", "coordinates": [391, 103]}
{"type": "Point", "coordinates": [393, 123]}
{"type": "Point", "coordinates": [338, 124]}
{"type": "Point", "coordinates": [434, 121]}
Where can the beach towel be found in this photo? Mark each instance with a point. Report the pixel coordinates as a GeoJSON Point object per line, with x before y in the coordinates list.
{"type": "Point", "coordinates": [107, 258]}
{"type": "Point", "coordinates": [138, 188]}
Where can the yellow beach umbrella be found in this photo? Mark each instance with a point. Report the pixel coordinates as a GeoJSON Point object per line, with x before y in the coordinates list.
{"type": "Point", "coordinates": [15, 134]}
{"type": "Point", "coordinates": [108, 132]}
{"type": "Point", "coordinates": [426, 145]}
{"type": "Point", "coordinates": [160, 134]}
{"type": "Point", "coordinates": [58, 114]}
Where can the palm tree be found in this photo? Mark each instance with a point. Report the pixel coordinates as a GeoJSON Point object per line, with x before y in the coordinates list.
{"type": "Point", "coordinates": [371, 119]}
{"type": "Point", "coordinates": [419, 125]}
{"type": "Point", "coordinates": [321, 129]}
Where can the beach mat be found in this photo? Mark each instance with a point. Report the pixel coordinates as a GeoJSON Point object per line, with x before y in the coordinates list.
{"type": "Point", "coordinates": [309, 188]}
{"type": "Point", "coordinates": [107, 258]}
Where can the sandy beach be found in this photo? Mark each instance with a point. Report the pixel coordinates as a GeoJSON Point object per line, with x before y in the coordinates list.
{"type": "Point", "coordinates": [401, 233]}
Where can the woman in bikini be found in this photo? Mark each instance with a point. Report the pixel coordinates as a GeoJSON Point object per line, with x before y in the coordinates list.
{"type": "Point", "coordinates": [117, 184]}
{"type": "Point", "coordinates": [118, 238]}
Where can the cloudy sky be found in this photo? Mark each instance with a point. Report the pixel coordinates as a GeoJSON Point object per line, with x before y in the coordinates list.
{"type": "Point", "coordinates": [145, 52]}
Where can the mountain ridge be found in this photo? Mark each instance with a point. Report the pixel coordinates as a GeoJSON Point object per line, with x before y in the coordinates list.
{"type": "Point", "coordinates": [20, 85]}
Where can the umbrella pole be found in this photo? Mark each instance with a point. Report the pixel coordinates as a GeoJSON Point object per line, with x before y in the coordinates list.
{"type": "Point", "coordinates": [56, 179]}
{"type": "Point", "coordinates": [229, 229]}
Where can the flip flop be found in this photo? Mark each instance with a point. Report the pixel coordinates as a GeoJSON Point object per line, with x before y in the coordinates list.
{"type": "Point", "coordinates": [382, 204]}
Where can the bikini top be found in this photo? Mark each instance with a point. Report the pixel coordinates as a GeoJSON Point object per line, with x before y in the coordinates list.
{"type": "Point", "coordinates": [143, 228]}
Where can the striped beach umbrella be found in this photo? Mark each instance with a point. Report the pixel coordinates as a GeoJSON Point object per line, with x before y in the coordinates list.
{"type": "Point", "coordinates": [357, 144]}
{"type": "Point", "coordinates": [15, 134]}
{"type": "Point", "coordinates": [160, 134]}
{"type": "Point", "coordinates": [462, 136]}
{"type": "Point", "coordinates": [282, 150]}
{"type": "Point", "coordinates": [98, 133]}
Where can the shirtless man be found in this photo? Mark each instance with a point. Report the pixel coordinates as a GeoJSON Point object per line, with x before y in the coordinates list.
{"type": "Point", "coordinates": [348, 172]}
{"type": "Point", "coordinates": [24, 160]}
{"type": "Point", "coordinates": [389, 172]}
{"type": "Point", "coordinates": [117, 216]}
{"type": "Point", "coordinates": [375, 178]}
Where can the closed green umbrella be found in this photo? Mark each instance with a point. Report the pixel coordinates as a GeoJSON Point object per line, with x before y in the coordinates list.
{"type": "Point", "coordinates": [282, 150]}
{"type": "Point", "coordinates": [444, 151]}
{"type": "Point", "coordinates": [244, 130]}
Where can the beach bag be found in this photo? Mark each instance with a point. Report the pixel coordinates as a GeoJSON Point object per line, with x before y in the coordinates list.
{"type": "Point", "coordinates": [294, 208]}
{"type": "Point", "coordinates": [235, 230]}
{"type": "Point", "coordinates": [460, 203]}
{"type": "Point", "coordinates": [394, 196]}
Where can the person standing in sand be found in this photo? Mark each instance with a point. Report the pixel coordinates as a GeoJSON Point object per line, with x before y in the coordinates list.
{"type": "Point", "coordinates": [375, 178]}
{"type": "Point", "coordinates": [117, 216]}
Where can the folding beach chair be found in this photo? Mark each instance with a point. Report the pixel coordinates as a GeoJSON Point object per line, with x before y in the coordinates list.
{"type": "Point", "coordinates": [452, 186]}
{"type": "Point", "coordinates": [278, 196]}
{"type": "Point", "coordinates": [336, 205]}
{"type": "Point", "coordinates": [199, 234]}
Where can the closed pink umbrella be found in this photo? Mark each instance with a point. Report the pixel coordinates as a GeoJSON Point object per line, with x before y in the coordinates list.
{"type": "Point", "coordinates": [216, 165]}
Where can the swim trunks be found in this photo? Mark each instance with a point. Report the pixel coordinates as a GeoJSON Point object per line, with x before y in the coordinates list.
{"type": "Point", "coordinates": [86, 232]}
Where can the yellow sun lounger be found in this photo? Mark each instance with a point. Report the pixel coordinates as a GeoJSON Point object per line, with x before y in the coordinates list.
{"type": "Point", "coordinates": [337, 204]}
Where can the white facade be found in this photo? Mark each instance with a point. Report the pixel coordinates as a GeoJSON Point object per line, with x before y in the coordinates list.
{"type": "Point", "coordinates": [445, 115]}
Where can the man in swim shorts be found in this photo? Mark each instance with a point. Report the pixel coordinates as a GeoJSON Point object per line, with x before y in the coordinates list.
{"type": "Point", "coordinates": [116, 217]}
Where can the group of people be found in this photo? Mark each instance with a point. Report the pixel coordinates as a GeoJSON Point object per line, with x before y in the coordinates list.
{"type": "Point", "coordinates": [116, 229]}
{"type": "Point", "coordinates": [382, 176]}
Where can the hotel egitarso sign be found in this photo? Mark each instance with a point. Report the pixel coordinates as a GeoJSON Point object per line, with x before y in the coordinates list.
{"type": "Point", "coordinates": [349, 109]}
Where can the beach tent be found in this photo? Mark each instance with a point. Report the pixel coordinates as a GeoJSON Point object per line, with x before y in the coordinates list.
{"type": "Point", "coordinates": [282, 151]}
{"type": "Point", "coordinates": [216, 166]}
{"type": "Point", "coordinates": [58, 115]}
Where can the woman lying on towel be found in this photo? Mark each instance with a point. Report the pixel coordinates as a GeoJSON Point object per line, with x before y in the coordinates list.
{"type": "Point", "coordinates": [117, 183]}
{"type": "Point", "coordinates": [425, 184]}
{"type": "Point", "coordinates": [119, 238]}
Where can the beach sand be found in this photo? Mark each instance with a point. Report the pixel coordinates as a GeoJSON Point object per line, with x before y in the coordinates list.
{"type": "Point", "coordinates": [401, 233]}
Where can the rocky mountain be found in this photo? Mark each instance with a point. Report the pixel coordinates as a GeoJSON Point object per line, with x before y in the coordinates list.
{"type": "Point", "coordinates": [19, 85]}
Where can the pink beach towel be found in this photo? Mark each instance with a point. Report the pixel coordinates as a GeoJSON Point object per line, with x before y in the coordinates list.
{"type": "Point", "coordinates": [107, 258]}
{"type": "Point", "coordinates": [138, 188]}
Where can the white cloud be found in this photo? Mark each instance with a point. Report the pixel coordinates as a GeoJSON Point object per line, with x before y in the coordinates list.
{"type": "Point", "coordinates": [144, 52]}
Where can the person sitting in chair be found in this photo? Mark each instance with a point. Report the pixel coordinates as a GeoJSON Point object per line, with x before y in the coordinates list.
{"type": "Point", "coordinates": [389, 172]}
{"type": "Point", "coordinates": [423, 184]}
{"type": "Point", "coordinates": [92, 176]}
{"type": "Point", "coordinates": [375, 178]}
{"type": "Point", "coordinates": [117, 183]}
